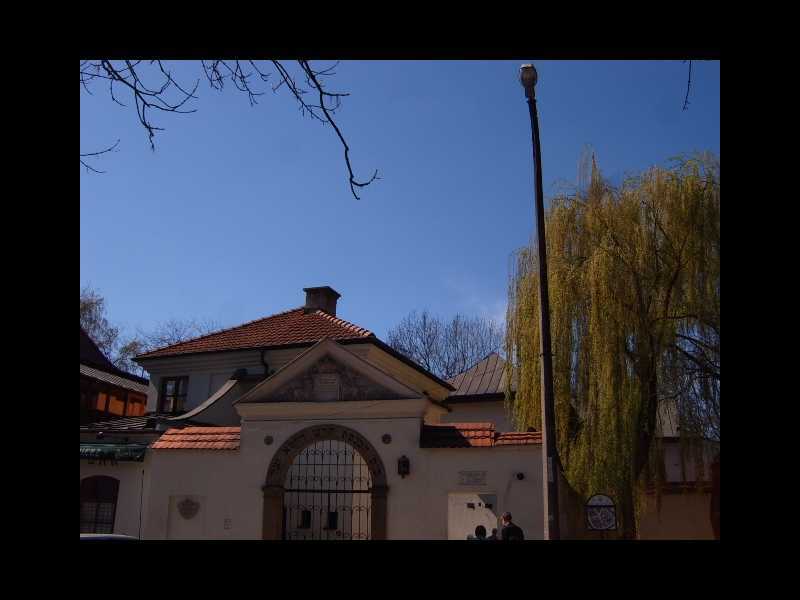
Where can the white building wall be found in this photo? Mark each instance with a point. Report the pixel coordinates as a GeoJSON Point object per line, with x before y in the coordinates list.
{"type": "Point", "coordinates": [480, 412]}
{"type": "Point", "coordinates": [684, 468]}
{"type": "Point", "coordinates": [132, 478]}
{"type": "Point", "coordinates": [228, 483]}
{"type": "Point", "coordinates": [207, 372]}
{"type": "Point", "coordinates": [522, 498]}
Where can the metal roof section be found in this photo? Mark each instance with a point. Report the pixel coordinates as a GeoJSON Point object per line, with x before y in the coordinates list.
{"type": "Point", "coordinates": [216, 397]}
{"type": "Point", "coordinates": [149, 423]}
{"type": "Point", "coordinates": [113, 379]}
{"type": "Point", "coordinates": [486, 378]}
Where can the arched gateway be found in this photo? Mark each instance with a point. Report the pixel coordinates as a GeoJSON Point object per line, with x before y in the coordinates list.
{"type": "Point", "coordinates": [325, 482]}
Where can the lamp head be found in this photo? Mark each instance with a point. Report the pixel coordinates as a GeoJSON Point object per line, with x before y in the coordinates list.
{"type": "Point", "coordinates": [528, 78]}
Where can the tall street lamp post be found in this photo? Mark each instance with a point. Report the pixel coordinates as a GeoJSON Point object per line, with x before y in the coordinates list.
{"type": "Point", "coordinates": [528, 78]}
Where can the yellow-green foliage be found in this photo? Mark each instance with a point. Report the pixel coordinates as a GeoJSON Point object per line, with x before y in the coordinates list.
{"type": "Point", "coordinates": [630, 271]}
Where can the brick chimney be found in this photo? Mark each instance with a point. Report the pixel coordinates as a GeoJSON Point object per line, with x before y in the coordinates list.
{"type": "Point", "coordinates": [321, 298]}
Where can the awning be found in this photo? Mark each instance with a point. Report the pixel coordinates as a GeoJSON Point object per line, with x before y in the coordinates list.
{"type": "Point", "coordinates": [113, 452]}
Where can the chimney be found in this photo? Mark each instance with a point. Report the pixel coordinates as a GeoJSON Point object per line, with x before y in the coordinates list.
{"type": "Point", "coordinates": [321, 298]}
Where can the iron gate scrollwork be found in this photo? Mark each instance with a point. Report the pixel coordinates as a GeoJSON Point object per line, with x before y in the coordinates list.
{"type": "Point", "coordinates": [328, 494]}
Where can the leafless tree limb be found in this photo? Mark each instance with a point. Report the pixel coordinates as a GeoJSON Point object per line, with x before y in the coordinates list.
{"type": "Point", "coordinates": [169, 96]}
{"type": "Point", "coordinates": [688, 87]}
{"type": "Point", "coordinates": [446, 348]}
{"type": "Point", "coordinates": [88, 154]}
{"type": "Point", "coordinates": [322, 94]}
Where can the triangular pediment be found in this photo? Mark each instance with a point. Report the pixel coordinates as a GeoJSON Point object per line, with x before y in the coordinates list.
{"type": "Point", "coordinates": [327, 372]}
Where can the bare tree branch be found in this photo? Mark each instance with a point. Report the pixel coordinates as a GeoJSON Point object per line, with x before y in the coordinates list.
{"type": "Point", "coordinates": [169, 96]}
{"type": "Point", "coordinates": [88, 154]}
{"type": "Point", "coordinates": [446, 348]}
{"type": "Point", "coordinates": [688, 87]}
{"type": "Point", "coordinates": [353, 182]}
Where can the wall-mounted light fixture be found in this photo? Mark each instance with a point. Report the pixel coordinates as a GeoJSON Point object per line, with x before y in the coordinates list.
{"type": "Point", "coordinates": [403, 466]}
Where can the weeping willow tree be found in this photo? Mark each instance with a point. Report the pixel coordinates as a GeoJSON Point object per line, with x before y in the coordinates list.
{"type": "Point", "coordinates": [634, 292]}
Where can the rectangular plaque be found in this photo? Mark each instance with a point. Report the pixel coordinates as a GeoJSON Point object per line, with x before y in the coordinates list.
{"type": "Point", "coordinates": [472, 477]}
{"type": "Point", "coordinates": [326, 387]}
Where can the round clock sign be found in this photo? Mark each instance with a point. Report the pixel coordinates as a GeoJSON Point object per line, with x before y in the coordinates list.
{"type": "Point", "coordinates": [601, 513]}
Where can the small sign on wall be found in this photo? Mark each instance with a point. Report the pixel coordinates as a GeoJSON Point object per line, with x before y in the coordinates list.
{"type": "Point", "coordinates": [326, 386]}
{"type": "Point", "coordinates": [472, 477]}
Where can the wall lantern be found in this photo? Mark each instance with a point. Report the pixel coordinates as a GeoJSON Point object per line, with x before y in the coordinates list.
{"type": "Point", "coordinates": [403, 466]}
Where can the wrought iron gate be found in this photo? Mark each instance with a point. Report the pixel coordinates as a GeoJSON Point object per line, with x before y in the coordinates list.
{"type": "Point", "coordinates": [328, 494]}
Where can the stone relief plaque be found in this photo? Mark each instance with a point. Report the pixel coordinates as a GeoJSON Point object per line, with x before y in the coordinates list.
{"type": "Point", "coordinates": [328, 381]}
{"type": "Point", "coordinates": [326, 386]}
{"type": "Point", "coordinates": [472, 477]}
{"type": "Point", "coordinates": [188, 508]}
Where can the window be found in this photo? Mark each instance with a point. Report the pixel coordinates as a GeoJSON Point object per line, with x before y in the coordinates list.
{"type": "Point", "coordinates": [305, 520]}
{"type": "Point", "coordinates": [98, 504]}
{"type": "Point", "coordinates": [101, 400]}
{"type": "Point", "coordinates": [333, 520]}
{"type": "Point", "coordinates": [173, 394]}
{"type": "Point", "coordinates": [136, 404]}
{"type": "Point", "coordinates": [116, 404]}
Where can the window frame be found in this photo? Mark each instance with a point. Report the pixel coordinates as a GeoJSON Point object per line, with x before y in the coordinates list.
{"type": "Point", "coordinates": [89, 494]}
{"type": "Point", "coordinates": [177, 398]}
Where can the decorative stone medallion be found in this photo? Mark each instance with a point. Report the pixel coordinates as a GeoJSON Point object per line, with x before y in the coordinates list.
{"type": "Point", "coordinates": [386, 439]}
{"type": "Point", "coordinates": [268, 440]}
{"type": "Point", "coordinates": [188, 508]}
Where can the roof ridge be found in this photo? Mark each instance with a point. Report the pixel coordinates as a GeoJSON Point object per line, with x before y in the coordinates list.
{"type": "Point", "coordinates": [348, 324]}
{"type": "Point", "coordinates": [223, 330]}
{"type": "Point", "coordinates": [465, 425]}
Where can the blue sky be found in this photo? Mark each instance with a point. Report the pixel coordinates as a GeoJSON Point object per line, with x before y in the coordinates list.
{"type": "Point", "coordinates": [241, 207]}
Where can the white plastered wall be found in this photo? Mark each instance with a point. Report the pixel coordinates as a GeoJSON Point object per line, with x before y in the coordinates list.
{"type": "Point", "coordinates": [132, 478]}
{"type": "Point", "coordinates": [228, 483]}
{"type": "Point", "coordinates": [480, 412]}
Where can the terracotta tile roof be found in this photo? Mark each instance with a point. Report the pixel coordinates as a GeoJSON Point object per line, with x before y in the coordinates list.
{"type": "Point", "coordinates": [199, 438]}
{"type": "Point", "coordinates": [680, 487]}
{"type": "Point", "coordinates": [473, 435]}
{"type": "Point", "coordinates": [294, 326]}
{"type": "Point", "coordinates": [457, 435]}
{"type": "Point", "coordinates": [518, 438]}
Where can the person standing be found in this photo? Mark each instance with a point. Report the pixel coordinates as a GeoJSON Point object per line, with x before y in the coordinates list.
{"type": "Point", "coordinates": [510, 532]}
{"type": "Point", "coordinates": [480, 533]}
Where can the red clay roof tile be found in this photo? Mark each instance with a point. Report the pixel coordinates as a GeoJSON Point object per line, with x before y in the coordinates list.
{"type": "Point", "coordinates": [199, 438]}
{"type": "Point", "coordinates": [294, 326]}
{"type": "Point", "coordinates": [518, 438]}
{"type": "Point", "coordinates": [473, 435]}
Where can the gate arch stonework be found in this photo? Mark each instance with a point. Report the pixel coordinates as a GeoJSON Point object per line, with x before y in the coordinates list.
{"type": "Point", "coordinates": [274, 484]}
